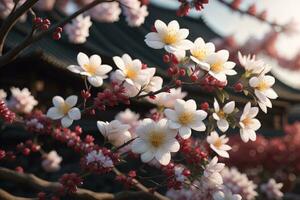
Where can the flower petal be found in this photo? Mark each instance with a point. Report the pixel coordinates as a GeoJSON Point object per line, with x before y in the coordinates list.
{"type": "Point", "coordinates": [229, 107]}
{"type": "Point", "coordinates": [74, 114]}
{"type": "Point", "coordinates": [54, 113]}
{"type": "Point", "coordinates": [222, 125]}
{"type": "Point", "coordinates": [66, 122]}
{"type": "Point", "coordinates": [95, 81]}
{"type": "Point", "coordinates": [147, 156]}
{"type": "Point", "coordinates": [173, 125]}
{"type": "Point", "coordinates": [154, 44]}
{"type": "Point", "coordinates": [119, 62]}
{"type": "Point", "coordinates": [139, 146]}
{"type": "Point", "coordinates": [95, 60]}
{"type": "Point", "coordinates": [163, 157]}
{"type": "Point", "coordinates": [75, 69]}
{"type": "Point", "coordinates": [58, 101]}
{"type": "Point", "coordinates": [82, 59]}
{"type": "Point", "coordinates": [185, 132]}
{"type": "Point", "coordinates": [71, 100]}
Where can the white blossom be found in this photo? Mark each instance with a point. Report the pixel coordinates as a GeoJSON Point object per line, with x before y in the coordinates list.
{"type": "Point", "coordinates": [51, 161]}
{"type": "Point", "coordinates": [78, 29]}
{"type": "Point", "coordinates": [226, 195]}
{"type": "Point", "coordinates": [272, 189]}
{"type": "Point", "coordinates": [185, 117]}
{"type": "Point", "coordinates": [251, 65]}
{"type": "Point", "coordinates": [3, 94]}
{"type": "Point", "coordinates": [106, 12]}
{"type": "Point", "coordinates": [262, 85]}
{"type": "Point", "coordinates": [221, 114]}
{"type": "Point", "coordinates": [155, 141]}
{"type": "Point", "coordinates": [64, 110]}
{"type": "Point", "coordinates": [238, 183]}
{"type": "Point", "coordinates": [98, 157]}
{"type": "Point", "coordinates": [170, 37]}
{"type": "Point", "coordinates": [212, 172]}
{"type": "Point", "coordinates": [131, 72]}
{"type": "Point", "coordinates": [21, 100]}
{"type": "Point", "coordinates": [134, 12]}
{"type": "Point", "coordinates": [248, 123]}
{"type": "Point", "coordinates": [91, 67]}
{"type": "Point", "coordinates": [218, 144]}
{"type": "Point", "coordinates": [220, 67]}
{"type": "Point", "coordinates": [167, 99]}
{"type": "Point", "coordinates": [116, 132]}
{"type": "Point", "coordinates": [200, 52]}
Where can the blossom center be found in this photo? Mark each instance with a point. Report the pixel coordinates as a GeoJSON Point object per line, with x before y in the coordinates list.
{"type": "Point", "coordinates": [221, 114]}
{"type": "Point", "coordinates": [216, 67]}
{"type": "Point", "coordinates": [64, 108]}
{"type": "Point", "coordinates": [157, 139]}
{"type": "Point", "coordinates": [90, 68]}
{"type": "Point", "coordinates": [130, 73]}
{"type": "Point", "coordinates": [170, 37]}
{"type": "Point", "coordinates": [218, 143]}
{"type": "Point", "coordinates": [185, 118]}
{"type": "Point", "coordinates": [262, 86]}
{"type": "Point", "coordinates": [247, 121]}
{"type": "Point", "coordinates": [200, 54]}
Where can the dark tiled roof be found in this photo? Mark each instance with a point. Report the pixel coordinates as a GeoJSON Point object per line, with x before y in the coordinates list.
{"type": "Point", "coordinates": [118, 38]}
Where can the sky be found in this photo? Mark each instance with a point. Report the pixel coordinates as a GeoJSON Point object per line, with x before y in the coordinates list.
{"type": "Point", "coordinates": [227, 22]}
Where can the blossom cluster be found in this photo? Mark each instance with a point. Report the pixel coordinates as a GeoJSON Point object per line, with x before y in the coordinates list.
{"type": "Point", "coordinates": [163, 134]}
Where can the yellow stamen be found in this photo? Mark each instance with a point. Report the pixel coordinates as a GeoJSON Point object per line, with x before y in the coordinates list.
{"type": "Point", "coordinates": [64, 108]}
{"type": "Point", "coordinates": [247, 121]}
{"type": "Point", "coordinates": [90, 68]}
{"type": "Point", "coordinates": [185, 118]}
{"type": "Point", "coordinates": [216, 67]}
{"type": "Point", "coordinates": [130, 73]}
{"type": "Point", "coordinates": [221, 114]}
{"type": "Point", "coordinates": [262, 86]}
{"type": "Point", "coordinates": [170, 37]}
{"type": "Point", "coordinates": [218, 143]}
{"type": "Point", "coordinates": [200, 54]}
{"type": "Point", "coordinates": [157, 138]}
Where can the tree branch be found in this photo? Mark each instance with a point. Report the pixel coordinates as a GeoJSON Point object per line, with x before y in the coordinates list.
{"type": "Point", "coordinates": [7, 196]}
{"type": "Point", "coordinates": [82, 194]}
{"type": "Point", "coordinates": [142, 187]}
{"type": "Point", "coordinates": [12, 19]}
{"type": "Point", "coordinates": [254, 16]}
{"type": "Point", "coordinates": [13, 53]}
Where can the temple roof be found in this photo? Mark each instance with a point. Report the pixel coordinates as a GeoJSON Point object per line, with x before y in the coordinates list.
{"type": "Point", "coordinates": [117, 38]}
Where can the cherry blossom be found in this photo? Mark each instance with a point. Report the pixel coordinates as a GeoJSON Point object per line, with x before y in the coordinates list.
{"type": "Point", "coordinates": [170, 37]}
{"type": "Point", "coordinates": [64, 110]}
{"type": "Point", "coordinates": [92, 68]}
{"type": "Point", "coordinates": [155, 141]}
{"type": "Point", "coordinates": [185, 117]}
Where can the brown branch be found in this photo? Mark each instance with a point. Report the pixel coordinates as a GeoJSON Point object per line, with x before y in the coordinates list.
{"type": "Point", "coordinates": [13, 53]}
{"type": "Point", "coordinates": [7, 196]}
{"type": "Point", "coordinates": [43, 185]}
{"type": "Point", "coordinates": [12, 19]}
{"type": "Point", "coordinates": [84, 194]}
{"type": "Point", "coordinates": [142, 187]}
{"type": "Point", "coordinates": [244, 12]}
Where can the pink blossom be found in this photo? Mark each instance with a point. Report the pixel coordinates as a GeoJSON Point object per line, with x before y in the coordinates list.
{"type": "Point", "coordinates": [134, 12]}
{"type": "Point", "coordinates": [45, 5]}
{"type": "Point", "coordinates": [106, 12]}
{"type": "Point", "coordinates": [78, 30]}
{"type": "Point", "coordinates": [51, 162]}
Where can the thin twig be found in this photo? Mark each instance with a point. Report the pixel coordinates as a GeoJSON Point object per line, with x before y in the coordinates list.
{"type": "Point", "coordinates": [13, 53]}
{"type": "Point", "coordinates": [273, 24]}
{"type": "Point", "coordinates": [12, 19]}
{"type": "Point", "coordinates": [141, 187]}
